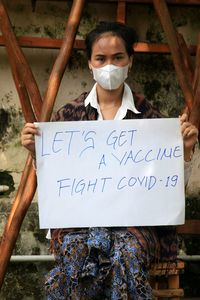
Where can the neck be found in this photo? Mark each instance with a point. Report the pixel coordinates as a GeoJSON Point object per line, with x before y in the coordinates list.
{"type": "Point", "coordinates": [109, 101]}
{"type": "Point", "coordinates": [110, 97]}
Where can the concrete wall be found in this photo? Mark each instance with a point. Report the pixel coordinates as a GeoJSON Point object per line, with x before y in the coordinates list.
{"type": "Point", "coordinates": [152, 75]}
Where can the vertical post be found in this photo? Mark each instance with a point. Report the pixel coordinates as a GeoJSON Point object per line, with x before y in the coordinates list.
{"type": "Point", "coordinates": [62, 59]}
{"type": "Point", "coordinates": [121, 11]}
{"type": "Point", "coordinates": [165, 20]}
{"type": "Point", "coordinates": [20, 67]}
{"type": "Point", "coordinates": [173, 283]}
{"type": "Point", "coordinates": [186, 58]}
{"type": "Point", "coordinates": [197, 64]}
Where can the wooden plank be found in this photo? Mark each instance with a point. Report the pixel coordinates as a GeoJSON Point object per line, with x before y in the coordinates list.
{"type": "Point", "coordinates": [173, 283]}
{"type": "Point", "coordinates": [168, 293]}
{"type": "Point", "coordinates": [187, 60]}
{"type": "Point", "coordinates": [121, 11]}
{"type": "Point", "coordinates": [190, 227]}
{"type": "Point", "coordinates": [41, 42]}
{"type": "Point", "coordinates": [195, 111]}
{"type": "Point", "coordinates": [166, 22]}
{"type": "Point", "coordinates": [171, 2]}
{"type": "Point", "coordinates": [197, 64]}
{"type": "Point", "coordinates": [48, 43]}
{"type": "Point", "coordinates": [166, 268]}
{"type": "Point", "coordinates": [23, 76]}
{"type": "Point", "coordinates": [169, 265]}
{"type": "Point", "coordinates": [142, 47]}
{"type": "Point", "coordinates": [164, 272]}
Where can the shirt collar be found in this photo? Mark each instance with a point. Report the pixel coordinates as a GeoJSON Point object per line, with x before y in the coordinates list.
{"type": "Point", "coordinates": [127, 102]}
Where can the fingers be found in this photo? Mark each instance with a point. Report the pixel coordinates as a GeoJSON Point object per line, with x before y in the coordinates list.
{"type": "Point", "coordinates": [30, 128]}
{"type": "Point", "coordinates": [187, 129]}
{"type": "Point", "coordinates": [28, 136]}
{"type": "Point", "coordinates": [183, 118]}
{"type": "Point", "coordinates": [190, 131]}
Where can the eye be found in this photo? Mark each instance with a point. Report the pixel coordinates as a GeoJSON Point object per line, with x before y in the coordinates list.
{"type": "Point", "coordinates": [118, 57]}
{"type": "Point", "coordinates": [100, 58]}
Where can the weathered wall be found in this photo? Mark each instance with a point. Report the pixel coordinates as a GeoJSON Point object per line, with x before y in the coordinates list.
{"type": "Point", "coordinates": [152, 75]}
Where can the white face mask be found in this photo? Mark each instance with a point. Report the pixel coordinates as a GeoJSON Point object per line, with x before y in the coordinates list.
{"type": "Point", "coordinates": [110, 77]}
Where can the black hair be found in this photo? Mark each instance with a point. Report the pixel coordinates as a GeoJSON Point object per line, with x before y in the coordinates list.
{"type": "Point", "coordinates": [127, 34]}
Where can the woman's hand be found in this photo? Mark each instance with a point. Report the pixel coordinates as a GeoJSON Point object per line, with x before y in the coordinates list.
{"type": "Point", "coordinates": [28, 137]}
{"type": "Point", "coordinates": [190, 135]}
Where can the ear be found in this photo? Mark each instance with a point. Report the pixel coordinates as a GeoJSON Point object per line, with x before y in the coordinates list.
{"type": "Point", "coordinates": [90, 65]}
{"type": "Point", "coordinates": [131, 62]}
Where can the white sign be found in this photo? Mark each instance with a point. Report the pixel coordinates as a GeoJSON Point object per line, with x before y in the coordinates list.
{"type": "Point", "coordinates": [110, 173]}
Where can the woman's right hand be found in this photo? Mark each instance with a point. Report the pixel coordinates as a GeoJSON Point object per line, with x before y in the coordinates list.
{"type": "Point", "coordinates": [28, 137]}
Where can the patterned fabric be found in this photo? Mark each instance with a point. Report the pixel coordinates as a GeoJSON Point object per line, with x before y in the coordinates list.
{"type": "Point", "coordinates": [106, 263]}
{"type": "Point", "coordinates": [101, 263]}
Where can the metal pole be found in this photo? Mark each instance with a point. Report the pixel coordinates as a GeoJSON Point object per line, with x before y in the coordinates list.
{"type": "Point", "coordinates": [49, 258]}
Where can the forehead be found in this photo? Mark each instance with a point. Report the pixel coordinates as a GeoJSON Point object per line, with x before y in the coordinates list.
{"type": "Point", "coordinates": [108, 43]}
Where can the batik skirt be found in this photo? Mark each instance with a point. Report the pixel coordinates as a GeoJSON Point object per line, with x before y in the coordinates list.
{"type": "Point", "coordinates": [102, 264]}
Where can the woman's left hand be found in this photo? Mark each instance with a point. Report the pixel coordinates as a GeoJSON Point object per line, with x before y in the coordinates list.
{"type": "Point", "coordinates": [190, 136]}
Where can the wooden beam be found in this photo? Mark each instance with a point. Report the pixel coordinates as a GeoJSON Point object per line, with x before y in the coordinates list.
{"type": "Point", "coordinates": [186, 57]}
{"type": "Point", "coordinates": [48, 43]}
{"type": "Point", "coordinates": [197, 64]}
{"type": "Point", "coordinates": [173, 284]}
{"type": "Point", "coordinates": [168, 293]}
{"type": "Point", "coordinates": [171, 2]}
{"type": "Point", "coordinates": [166, 268]}
{"type": "Point", "coordinates": [159, 48]}
{"type": "Point", "coordinates": [42, 42]}
{"type": "Point", "coordinates": [22, 73]}
{"type": "Point", "coordinates": [121, 11]}
{"type": "Point", "coordinates": [195, 111]}
{"type": "Point", "coordinates": [190, 227]}
{"type": "Point", "coordinates": [168, 265]}
{"type": "Point", "coordinates": [62, 59]}
{"type": "Point", "coordinates": [183, 78]}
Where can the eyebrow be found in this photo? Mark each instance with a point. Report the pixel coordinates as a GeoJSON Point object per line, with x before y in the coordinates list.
{"type": "Point", "coordinates": [115, 54]}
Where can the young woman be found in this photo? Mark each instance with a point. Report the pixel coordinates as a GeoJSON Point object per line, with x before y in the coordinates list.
{"type": "Point", "coordinates": [108, 263]}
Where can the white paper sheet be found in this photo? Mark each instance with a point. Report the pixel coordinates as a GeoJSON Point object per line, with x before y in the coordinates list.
{"type": "Point", "coordinates": [110, 173]}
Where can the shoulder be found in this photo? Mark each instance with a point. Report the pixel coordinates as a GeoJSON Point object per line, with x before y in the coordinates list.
{"type": "Point", "coordinates": [145, 107]}
{"type": "Point", "coordinates": [72, 111]}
